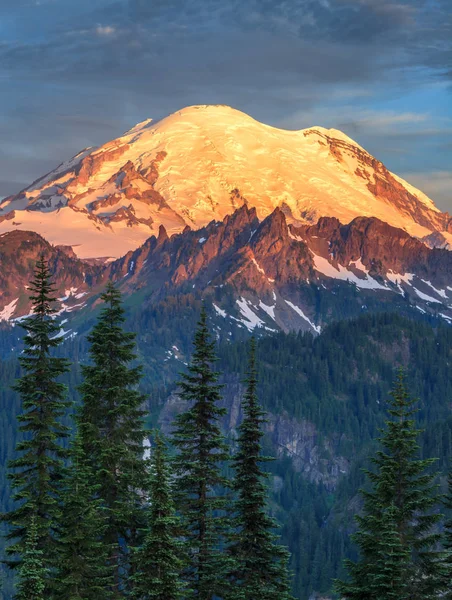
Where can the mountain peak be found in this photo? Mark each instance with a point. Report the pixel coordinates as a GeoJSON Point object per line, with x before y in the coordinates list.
{"type": "Point", "coordinates": [200, 164]}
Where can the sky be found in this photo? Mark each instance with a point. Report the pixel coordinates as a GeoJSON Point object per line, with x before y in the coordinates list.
{"type": "Point", "coordinates": [79, 73]}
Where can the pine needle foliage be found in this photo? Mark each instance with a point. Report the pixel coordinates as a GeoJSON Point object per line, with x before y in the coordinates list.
{"type": "Point", "coordinates": [83, 572]}
{"type": "Point", "coordinates": [200, 487]}
{"type": "Point", "coordinates": [37, 471]}
{"type": "Point", "coordinates": [448, 542]}
{"type": "Point", "coordinates": [110, 421]}
{"type": "Point", "coordinates": [32, 573]}
{"type": "Point", "coordinates": [260, 563]}
{"type": "Point", "coordinates": [396, 538]}
{"type": "Point", "coordinates": [159, 561]}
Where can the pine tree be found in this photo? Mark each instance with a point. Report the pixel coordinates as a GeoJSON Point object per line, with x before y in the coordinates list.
{"type": "Point", "coordinates": [391, 559]}
{"type": "Point", "coordinates": [32, 573]}
{"type": "Point", "coordinates": [395, 531]}
{"type": "Point", "coordinates": [111, 428]}
{"type": "Point", "coordinates": [448, 543]}
{"type": "Point", "coordinates": [37, 471]}
{"type": "Point", "coordinates": [260, 564]}
{"type": "Point", "coordinates": [83, 572]}
{"type": "Point", "coordinates": [159, 562]}
{"type": "Point", "coordinates": [200, 486]}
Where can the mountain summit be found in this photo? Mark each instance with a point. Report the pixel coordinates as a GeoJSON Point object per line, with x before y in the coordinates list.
{"type": "Point", "coordinates": [202, 163]}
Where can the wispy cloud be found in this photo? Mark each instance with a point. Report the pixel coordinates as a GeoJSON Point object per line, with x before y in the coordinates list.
{"type": "Point", "coordinates": [105, 30]}
{"type": "Point", "coordinates": [436, 184]}
{"type": "Point", "coordinates": [376, 119]}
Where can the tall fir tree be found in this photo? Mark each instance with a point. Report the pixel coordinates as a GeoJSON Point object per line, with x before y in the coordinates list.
{"type": "Point", "coordinates": [392, 558]}
{"type": "Point", "coordinates": [159, 561]}
{"type": "Point", "coordinates": [111, 426]}
{"type": "Point", "coordinates": [395, 538]}
{"type": "Point", "coordinates": [37, 471]}
{"type": "Point", "coordinates": [260, 563]}
{"type": "Point", "coordinates": [201, 489]}
{"type": "Point", "coordinates": [83, 572]}
{"type": "Point", "coordinates": [448, 542]}
{"type": "Point", "coordinates": [32, 573]}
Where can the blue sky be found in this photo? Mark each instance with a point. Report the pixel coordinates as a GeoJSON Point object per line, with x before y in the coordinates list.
{"type": "Point", "coordinates": [76, 74]}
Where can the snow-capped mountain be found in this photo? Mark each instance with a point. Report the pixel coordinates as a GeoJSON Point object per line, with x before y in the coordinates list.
{"type": "Point", "coordinates": [202, 163]}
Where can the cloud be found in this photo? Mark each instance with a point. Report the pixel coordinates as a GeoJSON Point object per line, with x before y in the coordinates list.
{"type": "Point", "coordinates": [105, 30]}
{"type": "Point", "coordinates": [385, 120]}
{"type": "Point", "coordinates": [436, 184]}
{"type": "Point", "coordinates": [376, 122]}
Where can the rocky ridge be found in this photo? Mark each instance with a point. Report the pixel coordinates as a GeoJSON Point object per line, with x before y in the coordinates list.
{"type": "Point", "coordinates": [267, 274]}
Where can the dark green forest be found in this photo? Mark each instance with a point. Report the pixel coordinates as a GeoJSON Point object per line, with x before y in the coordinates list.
{"type": "Point", "coordinates": [338, 381]}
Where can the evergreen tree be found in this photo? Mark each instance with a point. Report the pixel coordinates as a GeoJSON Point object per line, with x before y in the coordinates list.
{"type": "Point", "coordinates": [32, 573]}
{"type": "Point", "coordinates": [111, 428]}
{"type": "Point", "coordinates": [448, 542]}
{"type": "Point", "coordinates": [159, 561]}
{"type": "Point", "coordinates": [260, 564]}
{"type": "Point", "coordinates": [391, 559]}
{"type": "Point", "coordinates": [37, 471]}
{"type": "Point", "coordinates": [200, 486]}
{"type": "Point", "coordinates": [395, 536]}
{"type": "Point", "coordinates": [83, 572]}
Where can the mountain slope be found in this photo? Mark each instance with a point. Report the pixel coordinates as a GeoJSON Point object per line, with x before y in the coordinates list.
{"type": "Point", "coordinates": [19, 251]}
{"type": "Point", "coordinates": [200, 164]}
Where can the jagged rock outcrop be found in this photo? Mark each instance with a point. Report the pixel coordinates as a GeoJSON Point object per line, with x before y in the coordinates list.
{"type": "Point", "coordinates": [271, 274]}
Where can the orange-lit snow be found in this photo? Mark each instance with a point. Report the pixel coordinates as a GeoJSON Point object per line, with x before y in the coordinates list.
{"type": "Point", "coordinates": [210, 151]}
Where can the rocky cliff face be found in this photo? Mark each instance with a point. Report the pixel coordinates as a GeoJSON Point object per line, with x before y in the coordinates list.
{"type": "Point", "coordinates": [315, 456]}
{"type": "Point", "coordinates": [201, 164]}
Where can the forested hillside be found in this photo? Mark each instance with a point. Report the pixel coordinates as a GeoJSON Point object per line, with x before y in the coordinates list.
{"type": "Point", "coordinates": [326, 397]}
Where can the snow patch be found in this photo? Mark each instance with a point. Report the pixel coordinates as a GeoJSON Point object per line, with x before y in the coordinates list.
{"type": "Point", "coordinates": [250, 319]}
{"type": "Point", "coordinates": [270, 310]}
{"type": "Point", "coordinates": [441, 293]}
{"type": "Point", "coordinates": [8, 310]}
{"type": "Point", "coordinates": [258, 267]}
{"type": "Point", "coordinates": [68, 293]}
{"type": "Point", "coordinates": [426, 297]}
{"type": "Point", "coordinates": [63, 333]}
{"type": "Point", "coordinates": [220, 311]}
{"type": "Point", "coordinates": [322, 265]}
{"type": "Point", "coordinates": [397, 277]}
{"type": "Point", "coordinates": [298, 310]}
